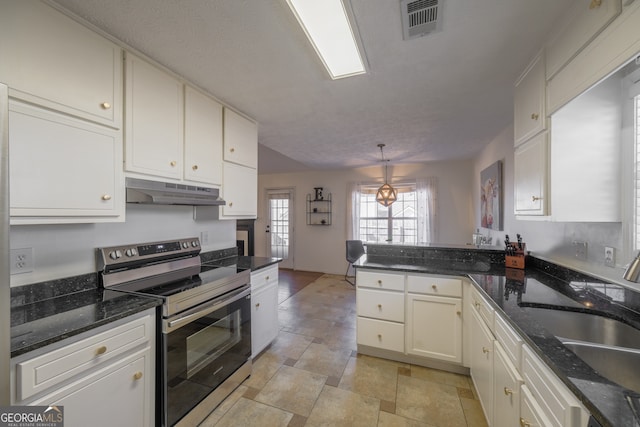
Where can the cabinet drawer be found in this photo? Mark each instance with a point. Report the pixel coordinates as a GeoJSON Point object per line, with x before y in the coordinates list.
{"type": "Point", "coordinates": [510, 340]}
{"type": "Point", "coordinates": [556, 401]}
{"type": "Point", "coordinates": [381, 334]}
{"type": "Point", "coordinates": [50, 369]}
{"type": "Point", "coordinates": [264, 276]}
{"type": "Point", "coordinates": [434, 285]}
{"type": "Point", "coordinates": [531, 413]}
{"type": "Point", "coordinates": [381, 305]}
{"type": "Point", "coordinates": [483, 308]}
{"type": "Point", "coordinates": [380, 280]}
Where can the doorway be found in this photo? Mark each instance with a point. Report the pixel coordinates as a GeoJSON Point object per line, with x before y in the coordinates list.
{"type": "Point", "coordinates": [280, 225]}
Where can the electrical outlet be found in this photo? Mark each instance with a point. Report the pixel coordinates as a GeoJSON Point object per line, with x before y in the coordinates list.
{"type": "Point", "coordinates": [21, 260]}
{"type": "Point", "coordinates": [581, 250]}
{"type": "Point", "coordinates": [609, 256]}
{"type": "Point", "coordinates": [204, 237]}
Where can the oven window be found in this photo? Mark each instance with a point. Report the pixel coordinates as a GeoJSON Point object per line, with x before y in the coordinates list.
{"type": "Point", "coordinates": [202, 354]}
{"type": "Point", "coordinates": [209, 343]}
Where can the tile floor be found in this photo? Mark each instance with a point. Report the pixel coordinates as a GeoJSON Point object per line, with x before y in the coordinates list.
{"type": "Point", "coordinates": [311, 375]}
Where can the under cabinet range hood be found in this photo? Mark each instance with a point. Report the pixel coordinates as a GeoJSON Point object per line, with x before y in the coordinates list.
{"type": "Point", "coordinates": [166, 193]}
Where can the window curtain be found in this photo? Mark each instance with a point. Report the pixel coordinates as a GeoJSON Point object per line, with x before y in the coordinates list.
{"type": "Point", "coordinates": [353, 211]}
{"type": "Point", "coordinates": [427, 194]}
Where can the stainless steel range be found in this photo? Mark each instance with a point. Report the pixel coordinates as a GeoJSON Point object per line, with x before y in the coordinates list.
{"type": "Point", "coordinates": [205, 341]}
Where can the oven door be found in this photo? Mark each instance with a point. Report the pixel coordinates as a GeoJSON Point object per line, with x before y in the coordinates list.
{"type": "Point", "coordinates": [202, 348]}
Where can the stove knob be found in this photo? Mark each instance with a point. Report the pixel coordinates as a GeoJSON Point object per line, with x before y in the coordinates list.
{"type": "Point", "coordinates": [130, 252]}
{"type": "Point", "coordinates": [185, 245]}
{"type": "Point", "coordinates": [115, 254]}
{"type": "Point", "coordinates": [194, 243]}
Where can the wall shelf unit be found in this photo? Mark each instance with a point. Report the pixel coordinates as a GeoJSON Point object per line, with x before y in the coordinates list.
{"type": "Point", "coordinates": [319, 210]}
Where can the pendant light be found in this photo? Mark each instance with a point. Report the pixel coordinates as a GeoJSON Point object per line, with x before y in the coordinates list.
{"type": "Point", "coordinates": [386, 194]}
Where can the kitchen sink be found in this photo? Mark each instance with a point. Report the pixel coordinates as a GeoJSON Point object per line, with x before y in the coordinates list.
{"type": "Point", "coordinates": [617, 364]}
{"type": "Point", "coordinates": [587, 327]}
{"type": "Point", "coordinates": [610, 347]}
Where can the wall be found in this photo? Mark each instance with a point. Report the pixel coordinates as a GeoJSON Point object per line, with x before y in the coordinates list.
{"type": "Point", "coordinates": [322, 248]}
{"type": "Point", "coordinates": [550, 240]}
{"type": "Point", "coordinates": [69, 250]}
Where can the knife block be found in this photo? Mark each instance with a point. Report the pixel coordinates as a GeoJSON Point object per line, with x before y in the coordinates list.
{"type": "Point", "coordinates": [517, 259]}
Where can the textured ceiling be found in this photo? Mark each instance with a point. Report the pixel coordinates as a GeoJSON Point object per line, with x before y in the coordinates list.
{"type": "Point", "coordinates": [444, 96]}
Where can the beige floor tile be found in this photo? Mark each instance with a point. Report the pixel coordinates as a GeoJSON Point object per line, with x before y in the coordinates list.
{"type": "Point", "coordinates": [322, 360]}
{"type": "Point", "coordinates": [441, 377]}
{"type": "Point", "coordinates": [310, 327]}
{"type": "Point", "coordinates": [264, 367]}
{"type": "Point", "coordinates": [293, 390]}
{"type": "Point", "coordinates": [340, 338]}
{"type": "Point", "coordinates": [290, 346]}
{"type": "Point", "coordinates": [222, 409]}
{"type": "Point", "coordinates": [371, 376]}
{"type": "Point", "coordinates": [429, 402]}
{"type": "Point", "coordinates": [390, 420]}
{"type": "Point", "coordinates": [336, 407]}
{"type": "Point", "coordinates": [473, 413]}
{"type": "Point", "coordinates": [248, 413]}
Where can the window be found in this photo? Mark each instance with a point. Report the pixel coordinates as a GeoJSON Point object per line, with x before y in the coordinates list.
{"type": "Point", "coordinates": [410, 219]}
{"type": "Point", "coordinates": [397, 223]}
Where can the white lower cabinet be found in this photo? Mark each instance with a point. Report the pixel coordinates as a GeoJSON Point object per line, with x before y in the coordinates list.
{"type": "Point", "coordinates": [380, 334]}
{"type": "Point", "coordinates": [113, 367]}
{"type": "Point", "coordinates": [482, 364]}
{"type": "Point", "coordinates": [531, 414]}
{"type": "Point", "coordinates": [264, 308]}
{"type": "Point", "coordinates": [506, 394]}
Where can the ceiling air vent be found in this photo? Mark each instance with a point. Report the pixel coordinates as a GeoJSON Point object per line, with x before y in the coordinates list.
{"type": "Point", "coordinates": [420, 17]}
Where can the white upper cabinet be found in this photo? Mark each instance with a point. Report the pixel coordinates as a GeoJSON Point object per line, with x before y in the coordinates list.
{"type": "Point", "coordinates": [63, 170]}
{"type": "Point", "coordinates": [531, 177]}
{"type": "Point", "coordinates": [529, 104]}
{"type": "Point", "coordinates": [202, 138]}
{"type": "Point", "coordinates": [154, 120]}
{"type": "Point", "coordinates": [240, 191]}
{"type": "Point", "coordinates": [51, 60]}
{"type": "Point", "coordinates": [240, 139]}
{"type": "Point", "coordinates": [584, 21]}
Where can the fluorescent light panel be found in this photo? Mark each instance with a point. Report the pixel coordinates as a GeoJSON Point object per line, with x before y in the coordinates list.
{"type": "Point", "coordinates": [326, 24]}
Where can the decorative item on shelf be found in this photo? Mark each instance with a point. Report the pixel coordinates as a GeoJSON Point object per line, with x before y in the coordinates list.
{"type": "Point", "coordinates": [514, 253]}
{"type": "Point", "coordinates": [319, 208]}
{"type": "Point", "coordinates": [386, 194]}
{"type": "Point", "coordinates": [319, 195]}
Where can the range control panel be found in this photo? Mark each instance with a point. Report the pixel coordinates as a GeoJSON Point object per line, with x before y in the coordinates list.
{"type": "Point", "coordinates": [147, 252]}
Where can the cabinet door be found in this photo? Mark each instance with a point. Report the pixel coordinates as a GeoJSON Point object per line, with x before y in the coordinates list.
{"type": "Point", "coordinates": [240, 191]}
{"type": "Point", "coordinates": [506, 390]}
{"type": "Point", "coordinates": [51, 60]}
{"type": "Point", "coordinates": [531, 414]}
{"type": "Point", "coordinates": [482, 364]}
{"type": "Point", "coordinates": [63, 169]}
{"type": "Point", "coordinates": [531, 176]}
{"type": "Point", "coordinates": [202, 138]}
{"type": "Point", "coordinates": [529, 103]}
{"type": "Point", "coordinates": [126, 387]}
{"type": "Point", "coordinates": [154, 120]}
{"type": "Point", "coordinates": [434, 327]}
{"type": "Point", "coordinates": [240, 139]}
{"type": "Point", "coordinates": [264, 318]}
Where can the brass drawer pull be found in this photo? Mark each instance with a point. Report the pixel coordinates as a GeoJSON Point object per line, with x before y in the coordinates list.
{"type": "Point", "coordinates": [508, 391]}
{"type": "Point", "coordinates": [485, 350]}
{"type": "Point", "coordinates": [101, 350]}
{"type": "Point", "coordinates": [524, 423]}
{"type": "Point", "coordinates": [137, 375]}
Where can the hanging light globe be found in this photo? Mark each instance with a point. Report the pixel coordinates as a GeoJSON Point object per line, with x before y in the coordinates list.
{"type": "Point", "coordinates": [386, 194]}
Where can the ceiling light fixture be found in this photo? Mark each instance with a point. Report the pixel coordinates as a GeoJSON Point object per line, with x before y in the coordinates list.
{"type": "Point", "coordinates": [386, 194]}
{"type": "Point", "coordinates": [326, 24]}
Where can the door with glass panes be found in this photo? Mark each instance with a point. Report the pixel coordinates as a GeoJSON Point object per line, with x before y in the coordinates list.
{"type": "Point", "coordinates": [280, 225]}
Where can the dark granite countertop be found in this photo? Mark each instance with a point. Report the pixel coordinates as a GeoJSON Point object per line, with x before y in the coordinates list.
{"type": "Point", "coordinates": [256, 263]}
{"type": "Point", "coordinates": [544, 285]}
{"type": "Point", "coordinates": [49, 312]}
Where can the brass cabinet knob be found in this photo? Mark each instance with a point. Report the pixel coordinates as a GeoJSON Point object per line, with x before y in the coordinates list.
{"type": "Point", "coordinates": [266, 278]}
{"type": "Point", "coordinates": [458, 313]}
{"type": "Point", "coordinates": [194, 167]}
{"type": "Point", "coordinates": [137, 375]}
{"type": "Point", "coordinates": [257, 305]}
{"type": "Point", "coordinates": [535, 198]}
{"type": "Point", "coordinates": [535, 116]}
{"type": "Point", "coordinates": [173, 163]}
{"type": "Point", "coordinates": [524, 423]}
{"type": "Point", "coordinates": [485, 350]}
{"type": "Point", "coordinates": [477, 304]}
{"type": "Point", "coordinates": [105, 105]}
{"type": "Point", "coordinates": [379, 306]}
{"type": "Point", "coordinates": [232, 150]}
{"type": "Point", "coordinates": [595, 4]}
{"type": "Point", "coordinates": [101, 350]}
{"type": "Point", "coordinates": [106, 197]}
{"type": "Point", "coordinates": [230, 204]}
{"type": "Point", "coordinates": [380, 282]}
{"type": "Point", "coordinates": [508, 391]}
{"type": "Point", "coordinates": [434, 287]}
{"type": "Point", "coordinates": [380, 336]}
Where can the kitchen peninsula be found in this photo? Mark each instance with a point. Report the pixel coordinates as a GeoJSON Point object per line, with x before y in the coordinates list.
{"type": "Point", "coordinates": [472, 287]}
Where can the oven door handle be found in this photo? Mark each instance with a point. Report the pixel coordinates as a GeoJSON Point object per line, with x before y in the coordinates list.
{"type": "Point", "coordinates": [210, 307]}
